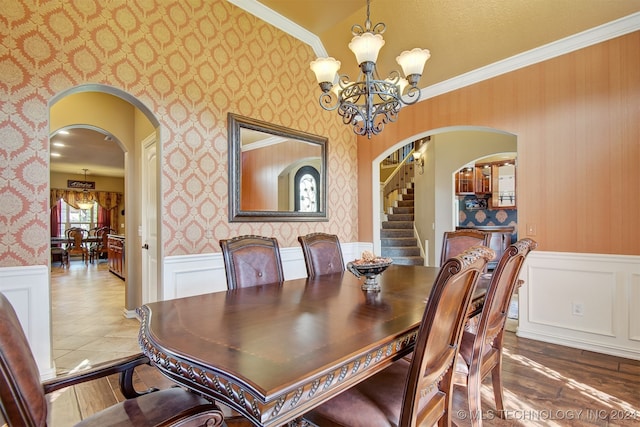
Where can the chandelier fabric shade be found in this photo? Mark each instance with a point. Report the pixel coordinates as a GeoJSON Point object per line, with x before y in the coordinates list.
{"type": "Point", "coordinates": [369, 103]}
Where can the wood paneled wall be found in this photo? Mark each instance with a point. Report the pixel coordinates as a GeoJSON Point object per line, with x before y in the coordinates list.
{"type": "Point", "coordinates": [577, 119]}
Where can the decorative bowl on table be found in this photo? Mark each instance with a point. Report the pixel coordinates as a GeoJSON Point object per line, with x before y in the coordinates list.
{"type": "Point", "coordinates": [369, 267]}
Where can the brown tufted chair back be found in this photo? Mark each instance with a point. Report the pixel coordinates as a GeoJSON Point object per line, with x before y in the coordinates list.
{"type": "Point", "coordinates": [251, 260]}
{"type": "Point", "coordinates": [22, 397]}
{"type": "Point", "coordinates": [456, 242]}
{"type": "Point", "coordinates": [322, 254]}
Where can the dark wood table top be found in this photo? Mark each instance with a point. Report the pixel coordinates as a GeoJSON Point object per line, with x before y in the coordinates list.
{"type": "Point", "coordinates": [273, 352]}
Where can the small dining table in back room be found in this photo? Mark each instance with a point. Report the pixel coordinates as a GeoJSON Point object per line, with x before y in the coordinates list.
{"type": "Point", "coordinates": [273, 352]}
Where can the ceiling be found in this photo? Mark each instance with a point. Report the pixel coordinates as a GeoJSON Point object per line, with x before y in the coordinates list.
{"type": "Point", "coordinates": [462, 35]}
{"type": "Point", "coordinates": [87, 148]}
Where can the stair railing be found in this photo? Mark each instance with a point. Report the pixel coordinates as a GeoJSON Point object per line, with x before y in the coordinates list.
{"type": "Point", "coordinates": [401, 175]}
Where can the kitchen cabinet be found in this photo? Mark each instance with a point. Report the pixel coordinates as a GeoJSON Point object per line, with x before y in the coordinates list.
{"type": "Point", "coordinates": [474, 179]}
{"type": "Point", "coordinates": [483, 181]}
{"type": "Point", "coordinates": [465, 181]}
{"type": "Point", "coordinates": [497, 179]}
{"type": "Point", "coordinates": [115, 254]}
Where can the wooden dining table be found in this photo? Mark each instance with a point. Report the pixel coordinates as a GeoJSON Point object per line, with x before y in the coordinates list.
{"type": "Point", "coordinates": [57, 241]}
{"type": "Point", "coordinates": [274, 352]}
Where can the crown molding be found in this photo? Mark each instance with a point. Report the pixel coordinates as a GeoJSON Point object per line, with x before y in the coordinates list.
{"type": "Point", "coordinates": [608, 31]}
{"type": "Point", "coordinates": [602, 33]}
{"type": "Point", "coordinates": [288, 26]}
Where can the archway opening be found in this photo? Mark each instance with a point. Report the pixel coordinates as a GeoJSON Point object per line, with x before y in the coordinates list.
{"type": "Point", "coordinates": [434, 189]}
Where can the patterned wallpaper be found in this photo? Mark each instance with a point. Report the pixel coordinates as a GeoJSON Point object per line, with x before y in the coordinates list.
{"type": "Point", "coordinates": [189, 62]}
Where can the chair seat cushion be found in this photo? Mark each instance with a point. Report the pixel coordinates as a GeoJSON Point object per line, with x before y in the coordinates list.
{"type": "Point", "coordinates": [376, 402]}
{"type": "Point", "coordinates": [148, 410]}
{"type": "Point", "coordinates": [466, 347]}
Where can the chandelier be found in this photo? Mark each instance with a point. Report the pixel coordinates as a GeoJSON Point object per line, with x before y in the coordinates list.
{"type": "Point", "coordinates": [85, 203]}
{"type": "Point", "coordinates": [369, 103]}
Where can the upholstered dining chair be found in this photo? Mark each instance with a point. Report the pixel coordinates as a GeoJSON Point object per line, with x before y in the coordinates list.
{"type": "Point", "coordinates": [251, 260]}
{"type": "Point", "coordinates": [455, 242]}
{"type": "Point", "coordinates": [76, 245]}
{"type": "Point", "coordinates": [416, 391]}
{"type": "Point", "coordinates": [23, 397]}
{"type": "Point", "coordinates": [480, 352]}
{"type": "Point", "coordinates": [322, 253]}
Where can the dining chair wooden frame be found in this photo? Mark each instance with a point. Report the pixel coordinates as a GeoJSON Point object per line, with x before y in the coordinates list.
{"type": "Point", "coordinates": [322, 253]}
{"type": "Point", "coordinates": [23, 399]}
{"type": "Point", "coordinates": [456, 242]}
{"type": "Point", "coordinates": [415, 391]}
{"type": "Point", "coordinates": [481, 351]}
{"type": "Point", "coordinates": [102, 246]}
{"type": "Point", "coordinates": [251, 260]}
{"type": "Point", "coordinates": [76, 245]}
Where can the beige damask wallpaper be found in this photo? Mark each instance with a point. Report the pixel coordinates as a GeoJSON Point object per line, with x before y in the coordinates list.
{"type": "Point", "coordinates": [190, 62]}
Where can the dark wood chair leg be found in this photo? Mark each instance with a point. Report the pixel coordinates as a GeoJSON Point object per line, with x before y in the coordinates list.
{"type": "Point", "coordinates": [474, 398]}
{"type": "Point", "coordinates": [496, 379]}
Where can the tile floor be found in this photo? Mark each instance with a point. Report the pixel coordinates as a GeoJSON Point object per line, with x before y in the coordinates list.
{"type": "Point", "coordinates": [88, 325]}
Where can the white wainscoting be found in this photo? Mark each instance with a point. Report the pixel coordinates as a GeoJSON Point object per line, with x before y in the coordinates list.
{"type": "Point", "coordinates": [27, 288]}
{"type": "Point", "coordinates": [189, 275]}
{"type": "Point", "coordinates": [585, 301]}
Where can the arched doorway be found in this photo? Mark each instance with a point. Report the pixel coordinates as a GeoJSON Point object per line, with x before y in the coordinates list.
{"type": "Point", "coordinates": [130, 122]}
{"type": "Point", "coordinates": [434, 191]}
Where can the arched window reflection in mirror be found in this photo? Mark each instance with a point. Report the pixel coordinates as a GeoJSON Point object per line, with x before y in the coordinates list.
{"type": "Point", "coordinates": [307, 197]}
{"type": "Point", "coordinates": [264, 160]}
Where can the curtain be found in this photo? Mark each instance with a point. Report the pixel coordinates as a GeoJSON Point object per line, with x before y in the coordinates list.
{"type": "Point", "coordinates": [108, 203]}
{"type": "Point", "coordinates": [56, 213]}
{"type": "Point", "coordinates": [106, 199]}
{"type": "Point", "coordinates": [105, 218]}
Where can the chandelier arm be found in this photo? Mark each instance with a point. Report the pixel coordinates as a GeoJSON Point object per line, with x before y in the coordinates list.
{"type": "Point", "coordinates": [412, 96]}
{"type": "Point", "coordinates": [326, 101]}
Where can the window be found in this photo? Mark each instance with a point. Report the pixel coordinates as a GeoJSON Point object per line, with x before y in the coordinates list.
{"type": "Point", "coordinates": [306, 193]}
{"type": "Point", "coordinates": [72, 217]}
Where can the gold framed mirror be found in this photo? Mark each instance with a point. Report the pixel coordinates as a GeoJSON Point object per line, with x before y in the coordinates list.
{"type": "Point", "coordinates": [275, 173]}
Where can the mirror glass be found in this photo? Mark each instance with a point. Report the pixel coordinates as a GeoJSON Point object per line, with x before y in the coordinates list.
{"type": "Point", "coordinates": [275, 173]}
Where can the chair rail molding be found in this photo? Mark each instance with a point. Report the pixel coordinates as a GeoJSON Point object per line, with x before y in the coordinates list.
{"type": "Point", "coordinates": [586, 301]}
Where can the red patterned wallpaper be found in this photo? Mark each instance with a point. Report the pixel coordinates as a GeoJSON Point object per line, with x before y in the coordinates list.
{"type": "Point", "coordinates": [191, 63]}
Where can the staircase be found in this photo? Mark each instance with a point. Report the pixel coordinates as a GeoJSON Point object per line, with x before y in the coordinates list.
{"type": "Point", "coordinates": [396, 237]}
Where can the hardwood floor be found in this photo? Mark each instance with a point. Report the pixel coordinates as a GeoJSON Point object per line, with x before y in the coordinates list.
{"type": "Point", "coordinates": [545, 384]}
